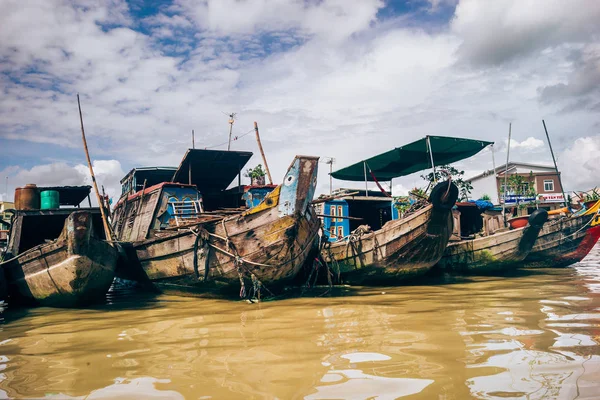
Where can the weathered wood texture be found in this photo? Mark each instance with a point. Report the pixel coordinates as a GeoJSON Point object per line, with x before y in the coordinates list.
{"type": "Point", "coordinates": [488, 254]}
{"type": "Point", "coordinates": [402, 249]}
{"type": "Point", "coordinates": [269, 242]}
{"type": "Point", "coordinates": [77, 268]}
{"type": "Point", "coordinates": [563, 241]}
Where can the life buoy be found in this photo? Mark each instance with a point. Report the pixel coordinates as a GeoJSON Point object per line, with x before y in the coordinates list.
{"type": "Point", "coordinates": [443, 197]}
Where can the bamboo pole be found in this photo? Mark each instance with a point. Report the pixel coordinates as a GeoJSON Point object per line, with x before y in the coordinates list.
{"type": "Point", "coordinates": [262, 153]}
{"type": "Point", "coordinates": [107, 230]}
{"type": "Point", "coordinates": [562, 189]}
{"type": "Point", "coordinates": [506, 173]}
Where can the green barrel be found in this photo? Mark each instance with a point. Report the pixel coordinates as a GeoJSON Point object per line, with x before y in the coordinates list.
{"type": "Point", "coordinates": [49, 200]}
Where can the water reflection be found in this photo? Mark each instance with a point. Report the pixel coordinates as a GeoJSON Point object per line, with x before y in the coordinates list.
{"type": "Point", "coordinates": [532, 335]}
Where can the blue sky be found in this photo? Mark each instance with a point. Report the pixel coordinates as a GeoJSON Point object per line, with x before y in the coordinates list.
{"type": "Point", "coordinates": [330, 77]}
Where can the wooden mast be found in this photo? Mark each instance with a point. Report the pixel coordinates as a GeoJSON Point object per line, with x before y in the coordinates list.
{"type": "Point", "coordinates": [562, 189]}
{"type": "Point", "coordinates": [506, 173]}
{"type": "Point", "coordinates": [107, 230]}
{"type": "Point", "coordinates": [262, 153]}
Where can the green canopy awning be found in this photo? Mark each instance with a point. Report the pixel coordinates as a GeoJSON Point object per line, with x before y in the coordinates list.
{"type": "Point", "coordinates": [411, 158]}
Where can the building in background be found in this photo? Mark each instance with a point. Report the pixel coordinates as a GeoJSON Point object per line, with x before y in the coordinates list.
{"type": "Point", "coordinates": [539, 182]}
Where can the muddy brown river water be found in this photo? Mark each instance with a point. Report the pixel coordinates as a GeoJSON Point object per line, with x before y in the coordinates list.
{"type": "Point", "coordinates": [533, 335]}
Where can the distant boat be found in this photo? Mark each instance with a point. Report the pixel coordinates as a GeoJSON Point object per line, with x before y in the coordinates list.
{"type": "Point", "coordinates": [59, 256]}
{"type": "Point", "coordinates": [188, 233]}
{"type": "Point", "coordinates": [566, 239]}
{"type": "Point", "coordinates": [379, 245]}
{"type": "Point", "coordinates": [498, 249]}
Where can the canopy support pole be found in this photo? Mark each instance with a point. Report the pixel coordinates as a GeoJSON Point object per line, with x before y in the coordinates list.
{"type": "Point", "coordinates": [494, 171]}
{"type": "Point", "coordinates": [431, 156]}
{"type": "Point", "coordinates": [366, 184]}
{"type": "Point", "coordinates": [556, 168]}
{"type": "Point", "coordinates": [506, 173]}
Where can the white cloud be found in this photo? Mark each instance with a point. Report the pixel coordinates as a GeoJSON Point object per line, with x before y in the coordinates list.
{"type": "Point", "coordinates": [330, 79]}
{"type": "Point", "coordinates": [528, 144]}
{"type": "Point", "coordinates": [108, 173]}
{"type": "Point", "coordinates": [579, 164]}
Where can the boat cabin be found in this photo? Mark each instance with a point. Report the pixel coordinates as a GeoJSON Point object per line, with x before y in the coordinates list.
{"type": "Point", "coordinates": [160, 198]}
{"type": "Point", "coordinates": [344, 214]}
{"type": "Point", "coordinates": [472, 218]}
{"type": "Point", "coordinates": [30, 227]}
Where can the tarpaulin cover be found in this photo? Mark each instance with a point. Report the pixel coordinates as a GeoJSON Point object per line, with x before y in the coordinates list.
{"type": "Point", "coordinates": [411, 158]}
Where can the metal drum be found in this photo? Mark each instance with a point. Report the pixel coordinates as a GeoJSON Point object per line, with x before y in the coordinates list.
{"type": "Point", "coordinates": [27, 198]}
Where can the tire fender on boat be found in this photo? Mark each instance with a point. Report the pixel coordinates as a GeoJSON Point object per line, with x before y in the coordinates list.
{"type": "Point", "coordinates": [443, 197]}
{"type": "Point", "coordinates": [538, 218]}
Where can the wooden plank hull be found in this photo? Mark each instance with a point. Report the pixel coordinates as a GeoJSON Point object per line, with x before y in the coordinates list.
{"type": "Point", "coordinates": [263, 246]}
{"type": "Point", "coordinates": [75, 269]}
{"type": "Point", "coordinates": [401, 250]}
{"type": "Point", "coordinates": [270, 248]}
{"type": "Point", "coordinates": [564, 241]}
{"type": "Point", "coordinates": [499, 252]}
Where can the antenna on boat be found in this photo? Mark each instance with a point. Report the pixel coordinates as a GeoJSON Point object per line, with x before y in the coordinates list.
{"type": "Point", "coordinates": [107, 230]}
{"type": "Point", "coordinates": [231, 121]}
{"type": "Point", "coordinates": [330, 161]}
{"type": "Point", "coordinates": [506, 173]}
{"type": "Point", "coordinates": [562, 189]}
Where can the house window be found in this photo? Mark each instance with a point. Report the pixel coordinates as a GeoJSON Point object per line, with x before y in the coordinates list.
{"type": "Point", "coordinates": [340, 213]}
{"type": "Point", "coordinates": [332, 213]}
{"type": "Point", "coordinates": [340, 232]}
{"type": "Point", "coordinates": [332, 232]}
{"type": "Point", "coordinates": [548, 185]}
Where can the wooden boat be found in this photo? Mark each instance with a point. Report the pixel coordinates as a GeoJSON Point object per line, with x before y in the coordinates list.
{"type": "Point", "coordinates": [390, 248]}
{"type": "Point", "coordinates": [185, 238]}
{"type": "Point", "coordinates": [566, 239]}
{"type": "Point", "coordinates": [499, 249]}
{"type": "Point", "coordinates": [59, 257]}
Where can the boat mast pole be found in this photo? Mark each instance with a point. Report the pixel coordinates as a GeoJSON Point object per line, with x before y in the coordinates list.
{"type": "Point", "coordinates": [193, 142]}
{"type": "Point", "coordinates": [231, 120]}
{"type": "Point", "coordinates": [494, 171]}
{"type": "Point", "coordinates": [556, 168]}
{"type": "Point", "coordinates": [431, 156]}
{"type": "Point", "coordinates": [107, 230]}
{"type": "Point", "coordinates": [506, 173]}
{"type": "Point", "coordinates": [366, 183]}
{"type": "Point", "coordinates": [262, 153]}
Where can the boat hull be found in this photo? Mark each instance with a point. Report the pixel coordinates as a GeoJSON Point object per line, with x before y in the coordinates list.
{"type": "Point", "coordinates": [401, 250]}
{"type": "Point", "coordinates": [262, 246]}
{"type": "Point", "coordinates": [76, 269]}
{"type": "Point", "coordinates": [564, 241]}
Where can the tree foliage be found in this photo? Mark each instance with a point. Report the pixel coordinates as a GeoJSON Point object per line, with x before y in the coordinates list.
{"type": "Point", "coordinates": [445, 171]}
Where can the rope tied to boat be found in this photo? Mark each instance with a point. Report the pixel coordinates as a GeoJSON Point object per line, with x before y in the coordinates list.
{"type": "Point", "coordinates": [201, 235]}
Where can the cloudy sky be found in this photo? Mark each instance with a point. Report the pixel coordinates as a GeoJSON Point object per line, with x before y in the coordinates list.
{"type": "Point", "coordinates": [333, 78]}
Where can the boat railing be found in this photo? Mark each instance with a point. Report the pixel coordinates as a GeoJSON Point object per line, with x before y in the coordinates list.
{"type": "Point", "coordinates": [184, 211]}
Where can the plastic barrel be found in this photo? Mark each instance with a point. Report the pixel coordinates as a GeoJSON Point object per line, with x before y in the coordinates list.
{"type": "Point", "coordinates": [27, 198]}
{"type": "Point", "coordinates": [49, 199]}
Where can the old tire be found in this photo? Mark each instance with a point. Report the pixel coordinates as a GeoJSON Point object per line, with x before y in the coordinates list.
{"type": "Point", "coordinates": [538, 218]}
{"type": "Point", "coordinates": [440, 199]}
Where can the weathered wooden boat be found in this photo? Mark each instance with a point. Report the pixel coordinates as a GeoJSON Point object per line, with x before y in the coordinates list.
{"type": "Point", "coordinates": [59, 256]}
{"type": "Point", "coordinates": [566, 239]}
{"type": "Point", "coordinates": [193, 236]}
{"type": "Point", "coordinates": [388, 247]}
{"type": "Point", "coordinates": [498, 249]}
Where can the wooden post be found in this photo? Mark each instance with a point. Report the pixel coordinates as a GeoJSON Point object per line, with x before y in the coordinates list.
{"type": "Point", "coordinates": [366, 184]}
{"type": "Point", "coordinates": [562, 189]}
{"type": "Point", "coordinates": [506, 173]}
{"type": "Point", "coordinates": [431, 156]}
{"type": "Point", "coordinates": [107, 230]}
{"type": "Point", "coordinates": [262, 153]}
{"type": "Point", "coordinates": [231, 120]}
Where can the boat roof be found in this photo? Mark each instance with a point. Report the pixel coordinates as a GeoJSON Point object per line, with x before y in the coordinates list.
{"type": "Point", "coordinates": [410, 158]}
{"type": "Point", "coordinates": [69, 195]}
{"type": "Point", "coordinates": [153, 174]}
{"type": "Point", "coordinates": [211, 170]}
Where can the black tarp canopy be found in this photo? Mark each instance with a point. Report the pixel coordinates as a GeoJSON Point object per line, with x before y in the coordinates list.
{"type": "Point", "coordinates": [211, 170]}
{"type": "Point", "coordinates": [410, 158]}
{"type": "Point", "coordinates": [69, 195]}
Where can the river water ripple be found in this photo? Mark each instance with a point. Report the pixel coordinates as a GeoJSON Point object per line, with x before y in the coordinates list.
{"type": "Point", "coordinates": [534, 335]}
